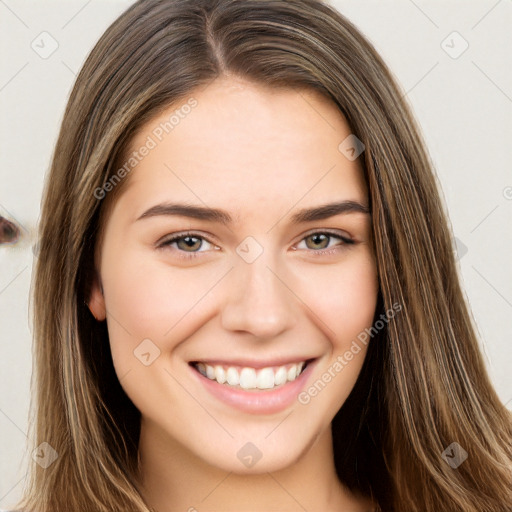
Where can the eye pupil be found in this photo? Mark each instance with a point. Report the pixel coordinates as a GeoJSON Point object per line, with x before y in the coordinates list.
{"type": "Point", "coordinates": [190, 241]}
{"type": "Point", "coordinates": [316, 238]}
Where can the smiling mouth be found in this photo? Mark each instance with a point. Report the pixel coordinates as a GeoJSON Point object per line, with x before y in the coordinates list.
{"type": "Point", "coordinates": [248, 378]}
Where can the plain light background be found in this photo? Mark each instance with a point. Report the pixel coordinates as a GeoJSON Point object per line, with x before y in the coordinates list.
{"type": "Point", "coordinates": [461, 96]}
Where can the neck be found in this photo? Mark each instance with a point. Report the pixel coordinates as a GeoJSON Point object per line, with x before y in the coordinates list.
{"type": "Point", "coordinates": [176, 480]}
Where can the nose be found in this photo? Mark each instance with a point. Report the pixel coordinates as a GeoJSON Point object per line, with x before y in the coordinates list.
{"type": "Point", "coordinates": [258, 299]}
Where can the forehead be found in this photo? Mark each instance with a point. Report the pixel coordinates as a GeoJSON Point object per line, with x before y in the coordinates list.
{"type": "Point", "coordinates": [242, 142]}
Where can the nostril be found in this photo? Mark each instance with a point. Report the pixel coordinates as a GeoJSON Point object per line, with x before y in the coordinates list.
{"type": "Point", "coordinates": [9, 232]}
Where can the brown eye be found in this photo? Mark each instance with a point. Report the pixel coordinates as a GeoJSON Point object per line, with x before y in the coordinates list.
{"type": "Point", "coordinates": [321, 241]}
{"type": "Point", "coordinates": [186, 245]}
{"type": "Point", "coordinates": [188, 242]}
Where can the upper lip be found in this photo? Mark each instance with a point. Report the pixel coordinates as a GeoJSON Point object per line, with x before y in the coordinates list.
{"type": "Point", "coordinates": [251, 363]}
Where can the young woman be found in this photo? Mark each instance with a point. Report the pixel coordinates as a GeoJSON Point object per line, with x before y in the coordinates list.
{"type": "Point", "coordinates": [246, 297]}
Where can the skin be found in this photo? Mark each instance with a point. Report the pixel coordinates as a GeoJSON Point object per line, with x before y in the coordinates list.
{"type": "Point", "coordinates": [261, 155]}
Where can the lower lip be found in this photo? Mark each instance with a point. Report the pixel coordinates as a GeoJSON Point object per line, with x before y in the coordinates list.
{"type": "Point", "coordinates": [257, 402]}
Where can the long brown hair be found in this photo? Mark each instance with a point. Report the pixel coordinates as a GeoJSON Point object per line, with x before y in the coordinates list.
{"type": "Point", "coordinates": [423, 385]}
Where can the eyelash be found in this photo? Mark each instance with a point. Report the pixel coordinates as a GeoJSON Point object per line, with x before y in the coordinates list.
{"type": "Point", "coordinates": [192, 255]}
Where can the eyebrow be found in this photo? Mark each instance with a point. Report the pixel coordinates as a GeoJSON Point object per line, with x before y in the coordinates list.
{"type": "Point", "coordinates": [223, 217]}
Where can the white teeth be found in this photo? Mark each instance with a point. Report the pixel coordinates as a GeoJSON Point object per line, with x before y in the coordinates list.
{"type": "Point", "coordinates": [220, 374]}
{"type": "Point", "coordinates": [248, 378]}
{"type": "Point", "coordinates": [280, 376]}
{"type": "Point", "coordinates": [232, 376]}
{"type": "Point", "coordinates": [292, 373]}
{"type": "Point", "coordinates": [266, 379]}
{"type": "Point", "coordinates": [210, 372]}
{"type": "Point", "coordinates": [251, 378]}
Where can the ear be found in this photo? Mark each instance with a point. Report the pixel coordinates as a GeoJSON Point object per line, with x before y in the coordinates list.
{"type": "Point", "coordinates": [97, 300]}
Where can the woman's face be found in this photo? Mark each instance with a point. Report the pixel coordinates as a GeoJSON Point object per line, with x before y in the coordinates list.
{"type": "Point", "coordinates": [269, 286]}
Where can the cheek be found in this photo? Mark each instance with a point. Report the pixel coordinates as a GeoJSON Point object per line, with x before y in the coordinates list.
{"type": "Point", "coordinates": [357, 301]}
{"type": "Point", "coordinates": [147, 299]}
{"type": "Point", "coordinates": [345, 304]}
{"type": "Point", "coordinates": [344, 297]}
